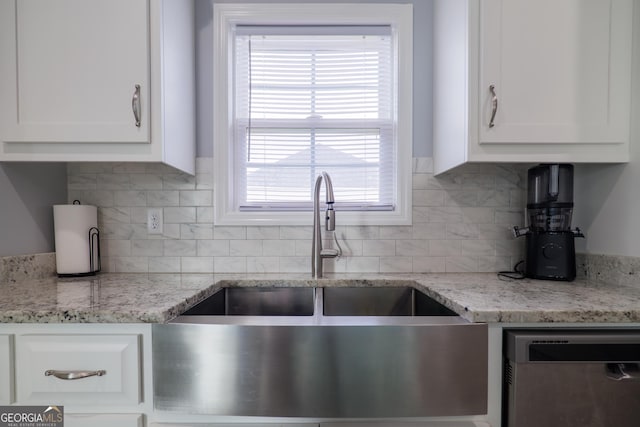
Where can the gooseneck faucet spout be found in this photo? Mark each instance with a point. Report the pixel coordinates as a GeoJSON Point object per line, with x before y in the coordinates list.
{"type": "Point", "coordinates": [317, 253]}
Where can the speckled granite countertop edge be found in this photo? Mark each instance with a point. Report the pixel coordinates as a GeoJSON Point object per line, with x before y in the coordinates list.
{"type": "Point", "coordinates": [158, 298]}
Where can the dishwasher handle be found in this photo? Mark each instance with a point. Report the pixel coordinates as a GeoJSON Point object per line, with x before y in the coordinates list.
{"type": "Point", "coordinates": [623, 371]}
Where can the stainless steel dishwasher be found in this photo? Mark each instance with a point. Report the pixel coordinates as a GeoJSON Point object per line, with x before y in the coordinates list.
{"type": "Point", "coordinates": [571, 378]}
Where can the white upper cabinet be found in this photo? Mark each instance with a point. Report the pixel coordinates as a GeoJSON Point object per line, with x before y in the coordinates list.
{"type": "Point", "coordinates": [97, 80]}
{"type": "Point", "coordinates": [532, 81]}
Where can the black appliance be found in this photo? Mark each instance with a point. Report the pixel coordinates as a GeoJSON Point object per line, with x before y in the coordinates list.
{"type": "Point", "coordinates": [571, 378]}
{"type": "Point", "coordinates": [550, 248]}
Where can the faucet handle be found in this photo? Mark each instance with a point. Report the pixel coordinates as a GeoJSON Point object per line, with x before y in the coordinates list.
{"type": "Point", "coordinates": [332, 253]}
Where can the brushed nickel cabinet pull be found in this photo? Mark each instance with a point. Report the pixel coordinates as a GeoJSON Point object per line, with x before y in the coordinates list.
{"type": "Point", "coordinates": [494, 105]}
{"type": "Point", "coordinates": [74, 375]}
{"type": "Point", "coordinates": [135, 105]}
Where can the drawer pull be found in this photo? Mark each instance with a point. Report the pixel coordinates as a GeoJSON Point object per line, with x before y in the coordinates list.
{"type": "Point", "coordinates": [135, 105]}
{"type": "Point", "coordinates": [494, 105]}
{"type": "Point", "coordinates": [74, 375]}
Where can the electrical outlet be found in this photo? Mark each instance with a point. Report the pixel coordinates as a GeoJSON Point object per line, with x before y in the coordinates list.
{"type": "Point", "coordinates": [154, 220]}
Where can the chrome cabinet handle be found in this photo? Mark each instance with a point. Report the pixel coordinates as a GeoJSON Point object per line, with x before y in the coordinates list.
{"type": "Point", "coordinates": [135, 105]}
{"type": "Point", "coordinates": [74, 375]}
{"type": "Point", "coordinates": [623, 371]}
{"type": "Point", "coordinates": [494, 105]}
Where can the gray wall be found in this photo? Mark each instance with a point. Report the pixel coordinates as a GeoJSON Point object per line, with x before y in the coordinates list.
{"type": "Point", "coordinates": [27, 193]}
{"type": "Point", "coordinates": [607, 197]}
{"type": "Point", "coordinates": [422, 71]}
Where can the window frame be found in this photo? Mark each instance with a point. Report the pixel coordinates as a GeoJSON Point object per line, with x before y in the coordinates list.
{"type": "Point", "coordinates": [226, 16]}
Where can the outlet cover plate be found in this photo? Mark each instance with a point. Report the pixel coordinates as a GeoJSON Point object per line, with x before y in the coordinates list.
{"type": "Point", "coordinates": [154, 221]}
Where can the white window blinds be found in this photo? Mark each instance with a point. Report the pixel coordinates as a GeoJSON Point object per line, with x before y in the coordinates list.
{"type": "Point", "coordinates": [312, 99]}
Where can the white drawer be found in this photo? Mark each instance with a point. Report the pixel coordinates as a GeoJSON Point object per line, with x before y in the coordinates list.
{"type": "Point", "coordinates": [103, 420]}
{"type": "Point", "coordinates": [117, 355]}
{"type": "Point", "coordinates": [6, 370]}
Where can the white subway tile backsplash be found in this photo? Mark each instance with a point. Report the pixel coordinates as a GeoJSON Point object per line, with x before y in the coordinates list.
{"type": "Point", "coordinates": [478, 215]}
{"type": "Point", "coordinates": [181, 215]}
{"type": "Point", "coordinates": [179, 247]}
{"type": "Point", "coordinates": [121, 215]}
{"type": "Point", "coordinates": [489, 264]}
{"type": "Point", "coordinates": [262, 233]}
{"type": "Point", "coordinates": [444, 214]}
{"type": "Point", "coordinates": [163, 264]}
{"type": "Point", "coordinates": [130, 198]}
{"type": "Point", "coordinates": [478, 181]}
{"type": "Point", "coordinates": [273, 247]}
{"type": "Point", "coordinates": [245, 247]}
{"type": "Point", "coordinates": [152, 248]}
{"type": "Point", "coordinates": [263, 264]}
{"type": "Point", "coordinates": [204, 214]}
{"type": "Point", "coordinates": [196, 198]}
{"type": "Point", "coordinates": [131, 264]}
{"type": "Point", "coordinates": [230, 264]}
{"type": "Point", "coordinates": [462, 231]}
{"type": "Point", "coordinates": [428, 231]}
{"type": "Point", "coordinates": [197, 264]}
{"type": "Point", "coordinates": [113, 181]}
{"type": "Point", "coordinates": [351, 247]}
{"type": "Point", "coordinates": [429, 264]}
{"type": "Point", "coordinates": [159, 198]}
{"type": "Point", "coordinates": [379, 248]}
{"type": "Point", "coordinates": [213, 248]}
{"type": "Point", "coordinates": [100, 198]}
{"type": "Point", "coordinates": [365, 232]}
{"type": "Point", "coordinates": [363, 265]}
{"type": "Point", "coordinates": [294, 233]}
{"type": "Point", "coordinates": [178, 181]}
{"type": "Point", "coordinates": [82, 182]}
{"type": "Point", "coordinates": [461, 222]}
{"type": "Point", "coordinates": [438, 248]}
{"type": "Point", "coordinates": [231, 233]}
{"type": "Point", "coordinates": [412, 247]}
{"type": "Point", "coordinates": [112, 247]}
{"type": "Point", "coordinates": [396, 232]}
{"type": "Point", "coordinates": [461, 264]}
{"type": "Point", "coordinates": [396, 264]}
{"type": "Point", "coordinates": [196, 231]}
{"type": "Point", "coordinates": [295, 264]}
{"type": "Point", "coordinates": [122, 168]}
{"type": "Point", "coordinates": [479, 247]}
{"type": "Point", "coordinates": [495, 198]}
{"type": "Point", "coordinates": [461, 198]}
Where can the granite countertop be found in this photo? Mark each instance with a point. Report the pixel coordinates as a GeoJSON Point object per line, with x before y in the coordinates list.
{"type": "Point", "coordinates": [158, 298]}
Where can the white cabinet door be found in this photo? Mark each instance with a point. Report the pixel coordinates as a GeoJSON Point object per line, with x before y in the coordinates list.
{"type": "Point", "coordinates": [103, 420]}
{"type": "Point", "coordinates": [46, 365]}
{"type": "Point", "coordinates": [6, 370]}
{"type": "Point", "coordinates": [70, 70]}
{"type": "Point", "coordinates": [561, 71]}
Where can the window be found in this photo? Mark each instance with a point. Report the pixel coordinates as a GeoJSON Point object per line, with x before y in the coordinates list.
{"type": "Point", "coordinates": [296, 96]}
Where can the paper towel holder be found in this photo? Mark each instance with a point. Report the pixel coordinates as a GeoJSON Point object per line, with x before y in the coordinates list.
{"type": "Point", "coordinates": [95, 265]}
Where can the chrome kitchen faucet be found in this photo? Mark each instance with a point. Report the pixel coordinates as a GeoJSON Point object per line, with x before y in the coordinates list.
{"type": "Point", "coordinates": [317, 253]}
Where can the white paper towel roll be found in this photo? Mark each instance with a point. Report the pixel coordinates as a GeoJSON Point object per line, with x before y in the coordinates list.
{"type": "Point", "coordinates": [71, 225]}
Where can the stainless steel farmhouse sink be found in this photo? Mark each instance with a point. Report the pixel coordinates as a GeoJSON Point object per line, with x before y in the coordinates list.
{"type": "Point", "coordinates": [257, 301]}
{"type": "Point", "coordinates": [320, 352]}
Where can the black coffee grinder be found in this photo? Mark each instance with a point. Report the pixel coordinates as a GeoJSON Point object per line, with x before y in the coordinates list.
{"type": "Point", "coordinates": [550, 251]}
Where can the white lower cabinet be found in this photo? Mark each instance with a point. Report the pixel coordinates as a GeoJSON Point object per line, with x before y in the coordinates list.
{"type": "Point", "coordinates": [234, 425]}
{"type": "Point", "coordinates": [76, 369]}
{"type": "Point", "coordinates": [100, 373]}
{"type": "Point", "coordinates": [104, 420]}
{"type": "Point", "coordinates": [6, 369]}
